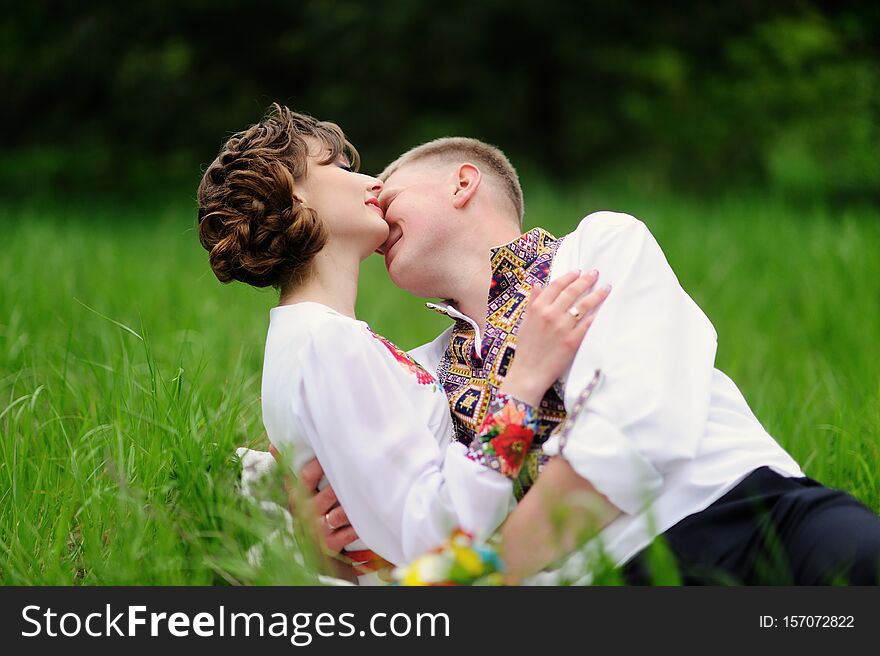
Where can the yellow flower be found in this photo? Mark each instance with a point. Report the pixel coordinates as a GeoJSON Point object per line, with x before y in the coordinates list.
{"type": "Point", "coordinates": [411, 577]}
{"type": "Point", "coordinates": [469, 560]}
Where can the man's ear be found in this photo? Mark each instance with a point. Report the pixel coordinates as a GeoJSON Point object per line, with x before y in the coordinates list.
{"type": "Point", "coordinates": [467, 180]}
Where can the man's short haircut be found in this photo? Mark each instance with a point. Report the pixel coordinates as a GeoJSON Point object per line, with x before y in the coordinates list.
{"type": "Point", "coordinates": [457, 150]}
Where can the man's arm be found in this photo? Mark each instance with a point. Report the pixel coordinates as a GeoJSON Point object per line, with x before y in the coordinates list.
{"type": "Point", "coordinates": [560, 512]}
{"type": "Point", "coordinates": [656, 350]}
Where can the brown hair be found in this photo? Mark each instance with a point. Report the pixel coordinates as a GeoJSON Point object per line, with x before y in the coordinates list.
{"type": "Point", "coordinates": [456, 150]}
{"type": "Point", "coordinates": [251, 221]}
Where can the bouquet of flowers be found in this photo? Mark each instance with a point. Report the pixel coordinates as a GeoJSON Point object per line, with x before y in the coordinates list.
{"type": "Point", "coordinates": [459, 561]}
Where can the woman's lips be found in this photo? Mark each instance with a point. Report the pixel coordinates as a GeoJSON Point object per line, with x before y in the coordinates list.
{"type": "Point", "coordinates": [374, 203]}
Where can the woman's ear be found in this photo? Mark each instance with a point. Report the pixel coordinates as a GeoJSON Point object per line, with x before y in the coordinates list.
{"type": "Point", "coordinates": [467, 181]}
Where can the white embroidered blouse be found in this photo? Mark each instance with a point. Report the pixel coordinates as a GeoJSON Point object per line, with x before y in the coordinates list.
{"type": "Point", "coordinates": [380, 427]}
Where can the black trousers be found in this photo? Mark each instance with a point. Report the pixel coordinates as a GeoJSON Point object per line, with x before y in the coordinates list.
{"type": "Point", "coordinates": [773, 530]}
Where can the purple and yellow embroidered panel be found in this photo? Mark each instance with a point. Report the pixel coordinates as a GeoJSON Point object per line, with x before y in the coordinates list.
{"type": "Point", "coordinates": [471, 380]}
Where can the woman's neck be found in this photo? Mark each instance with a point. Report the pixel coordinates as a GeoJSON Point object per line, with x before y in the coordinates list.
{"type": "Point", "coordinates": [333, 282]}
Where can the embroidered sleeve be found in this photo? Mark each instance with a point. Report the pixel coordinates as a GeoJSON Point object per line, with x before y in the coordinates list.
{"type": "Point", "coordinates": [505, 436]}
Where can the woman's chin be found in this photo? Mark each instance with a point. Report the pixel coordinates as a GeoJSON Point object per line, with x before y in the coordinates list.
{"type": "Point", "coordinates": [373, 245]}
{"type": "Point", "coordinates": [378, 239]}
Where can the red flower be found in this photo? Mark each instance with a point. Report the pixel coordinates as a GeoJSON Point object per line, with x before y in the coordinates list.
{"type": "Point", "coordinates": [511, 447]}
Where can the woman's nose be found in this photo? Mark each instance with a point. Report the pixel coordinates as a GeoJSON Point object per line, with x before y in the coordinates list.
{"type": "Point", "coordinates": [376, 185]}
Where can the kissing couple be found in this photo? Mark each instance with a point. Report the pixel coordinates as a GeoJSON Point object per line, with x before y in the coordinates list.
{"type": "Point", "coordinates": [548, 390]}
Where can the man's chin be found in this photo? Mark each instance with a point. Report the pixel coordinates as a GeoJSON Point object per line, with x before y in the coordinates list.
{"type": "Point", "coordinates": [398, 274]}
{"type": "Point", "coordinates": [409, 280]}
{"type": "Point", "coordinates": [392, 270]}
{"type": "Point", "coordinates": [389, 265]}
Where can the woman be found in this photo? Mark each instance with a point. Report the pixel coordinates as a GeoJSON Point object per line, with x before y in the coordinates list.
{"type": "Point", "coordinates": [283, 205]}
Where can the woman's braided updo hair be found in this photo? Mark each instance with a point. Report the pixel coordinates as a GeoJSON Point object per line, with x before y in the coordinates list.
{"type": "Point", "coordinates": [251, 221]}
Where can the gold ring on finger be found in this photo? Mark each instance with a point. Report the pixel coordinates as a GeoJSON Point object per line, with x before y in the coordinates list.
{"type": "Point", "coordinates": [573, 311]}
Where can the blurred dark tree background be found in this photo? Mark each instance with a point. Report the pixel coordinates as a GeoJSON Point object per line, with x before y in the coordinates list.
{"type": "Point", "coordinates": [692, 95]}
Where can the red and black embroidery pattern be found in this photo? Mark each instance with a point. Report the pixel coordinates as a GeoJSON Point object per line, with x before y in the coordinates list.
{"type": "Point", "coordinates": [422, 376]}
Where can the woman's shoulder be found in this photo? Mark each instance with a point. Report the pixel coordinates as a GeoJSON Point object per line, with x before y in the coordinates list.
{"type": "Point", "coordinates": [312, 330]}
{"type": "Point", "coordinates": [309, 320]}
{"type": "Point", "coordinates": [321, 336]}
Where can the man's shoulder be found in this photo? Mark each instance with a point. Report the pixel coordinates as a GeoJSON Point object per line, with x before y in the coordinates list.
{"type": "Point", "coordinates": [603, 230]}
{"type": "Point", "coordinates": [606, 221]}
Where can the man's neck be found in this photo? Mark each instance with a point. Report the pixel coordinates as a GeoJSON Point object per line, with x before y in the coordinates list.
{"type": "Point", "coordinates": [473, 297]}
{"type": "Point", "coordinates": [473, 273]}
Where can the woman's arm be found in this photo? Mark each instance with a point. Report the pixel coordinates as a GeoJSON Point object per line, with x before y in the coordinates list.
{"type": "Point", "coordinates": [401, 491]}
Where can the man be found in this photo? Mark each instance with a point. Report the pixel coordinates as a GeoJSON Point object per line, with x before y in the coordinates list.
{"type": "Point", "coordinates": [666, 445]}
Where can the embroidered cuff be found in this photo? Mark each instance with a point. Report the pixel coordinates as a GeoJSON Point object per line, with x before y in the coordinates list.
{"type": "Point", "coordinates": [505, 436]}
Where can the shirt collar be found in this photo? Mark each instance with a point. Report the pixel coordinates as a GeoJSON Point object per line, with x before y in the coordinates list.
{"type": "Point", "coordinates": [520, 253]}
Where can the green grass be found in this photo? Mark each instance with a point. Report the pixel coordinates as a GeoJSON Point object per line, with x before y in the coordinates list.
{"type": "Point", "coordinates": [128, 374]}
